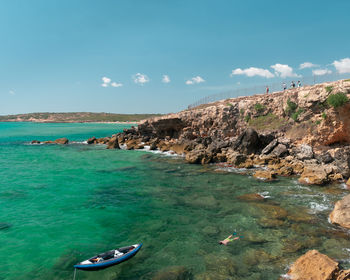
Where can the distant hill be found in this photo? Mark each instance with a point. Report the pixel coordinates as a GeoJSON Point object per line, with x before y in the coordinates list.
{"type": "Point", "coordinates": [76, 117]}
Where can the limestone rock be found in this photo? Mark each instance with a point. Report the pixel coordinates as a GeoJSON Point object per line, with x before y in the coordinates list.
{"type": "Point", "coordinates": [269, 147]}
{"type": "Point", "coordinates": [35, 142]}
{"type": "Point", "coordinates": [91, 140]}
{"type": "Point", "coordinates": [61, 141]}
{"type": "Point", "coordinates": [195, 156]}
{"type": "Point", "coordinates": [341, 212]}
{"type": "Point", "coordinates": [313, 265]}
{"type": "Point", "coordinates": [265, 175]}
{"type": "Point", "coordinates": [248, 142]}
{"type": "Point", "coordinates": [342, 160]}
{"type": "Point", "coordinates": [348, 182]}
{"type": "Point", "coordinates": [314, 175]}
{"type": "Point", "coordinates": [324, 157]}
{"type": "Point", "coordinates": [304, 152]}
{"type": "Point", "coordinates": [113, 143]}
{"type": "Point", "coordinates": [132, 144]}
{"type": "Point", "coordinates": [235, 158]}
{"type": "Point", "coordinates": [280, 150]}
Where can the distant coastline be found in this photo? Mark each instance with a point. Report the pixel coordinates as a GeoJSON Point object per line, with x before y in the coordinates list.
{"type": "Point", "coordinates": [77, 117]}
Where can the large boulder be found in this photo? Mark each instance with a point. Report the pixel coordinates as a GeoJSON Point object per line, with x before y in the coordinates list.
{"type": "Point", "coordinates": [195, 156]}
{"type": "Point", "coordinates": [113, 143]}
{"type": "Point", "coordinates": [270, 147]}
{"type": "Point", "coordinates": [280, 150]}
{"type": "Point", "coordinates": [314, 175]}
{"type": "Point", "coordinates": [313, 265]}
{"type": "Point", "coordinates": [342, 160]}
{"type": "Point", "coordinates": [248, 142]}
{"type": "Point", "coordinates": [341, 212]}
{"type": "Point", "coordinates": [303, 152]}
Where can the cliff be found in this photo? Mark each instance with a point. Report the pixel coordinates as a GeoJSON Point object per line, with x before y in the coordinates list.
{"type": "Point", "coordinates": [303, 131]}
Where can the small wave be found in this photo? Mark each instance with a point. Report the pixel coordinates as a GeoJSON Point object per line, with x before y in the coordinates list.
{"type": "Point", "coordinates": [318, 207]}
{"type": "Point", "coordinates": [265, 194]}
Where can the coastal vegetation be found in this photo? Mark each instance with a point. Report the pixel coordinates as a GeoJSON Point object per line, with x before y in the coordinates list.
{"type": "Point", "coordinates": [337, 100]}
{"type": "Point", "coordinates": [77, 117]}
{"type": "Point", "coordinates": [270, 121]}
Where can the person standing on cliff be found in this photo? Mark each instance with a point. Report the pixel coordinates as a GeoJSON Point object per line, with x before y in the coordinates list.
{"type": "Point", "coordinates": [284, 86]}
{"type": "Point", "coordinates": [292, 84]}
{"type": "Point", "coordinates": [267, 89]}
{"type": "Point", "coordinates": [299, 84]}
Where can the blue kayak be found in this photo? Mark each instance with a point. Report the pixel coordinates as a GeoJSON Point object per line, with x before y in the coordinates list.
{"type": "Point", "coordinates": [109, 258]}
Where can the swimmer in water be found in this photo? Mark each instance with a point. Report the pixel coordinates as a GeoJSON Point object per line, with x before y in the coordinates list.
{"type": "Point", "coordinates": [229, 239]}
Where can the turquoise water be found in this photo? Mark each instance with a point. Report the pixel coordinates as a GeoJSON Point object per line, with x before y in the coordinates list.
{"type": "Point", "coordinates": [62, 204]}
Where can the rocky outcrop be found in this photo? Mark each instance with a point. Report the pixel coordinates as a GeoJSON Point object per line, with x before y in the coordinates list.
{"type": "Point", "coordinates": [257, 131]}
{"type": "Point", "coordinates": [113, 143]}
{"type": "Point", "coordinates": [341, 212]}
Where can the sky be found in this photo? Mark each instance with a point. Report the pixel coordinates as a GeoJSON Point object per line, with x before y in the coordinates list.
{"type": "Point", "coordinates": [158, 56]}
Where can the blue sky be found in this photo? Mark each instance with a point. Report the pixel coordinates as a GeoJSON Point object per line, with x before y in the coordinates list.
{"type": "Point", "coordinates": [111, 56]}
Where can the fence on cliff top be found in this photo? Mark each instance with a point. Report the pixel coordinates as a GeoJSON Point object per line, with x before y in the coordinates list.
{"type": "Point", "coordinates": [273, 87]}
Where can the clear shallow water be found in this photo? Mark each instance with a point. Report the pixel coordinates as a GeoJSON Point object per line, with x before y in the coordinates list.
{"type": "Point", "coordinates": [64, 204]}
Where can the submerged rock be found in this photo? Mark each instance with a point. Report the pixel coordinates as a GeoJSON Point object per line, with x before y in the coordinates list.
{"type": "Point", "coordinates": [265, 175]}
{"type": "Point", "coordinates": [4, 226]}
{"type": "Point", "coordinates": [341, 212]}
{"type": "Point", "coordinates": [174, 273]}
{"type": "Point", "coordinates": [251, 197]}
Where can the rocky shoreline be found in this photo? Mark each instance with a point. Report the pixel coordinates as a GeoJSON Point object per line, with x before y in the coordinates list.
{"type": "Point", "coordinates": [293, 133]}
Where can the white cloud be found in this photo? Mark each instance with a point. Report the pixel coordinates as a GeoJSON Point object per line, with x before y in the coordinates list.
{"type": "Point", "coordinates": [195, 80]}
{"type": "Point", "coordinates": [12, 92]}
{"type": "Point", "coordinates": [252, 71]}
{"type": "Point", "coordinates": [321, 72]}
{"type": "Point", "coordinates": [283, 70]}
{"type": "Point", "coordinates": [104, 85]}
{"type": "Point", "coordinates": [106, 80]}
{"type": "Point", "coordinates": [166, 79]}
{"type": "Point", "coordinates": [307, 65]}
{"type": "Point", "coordinates": [342, 66]}
{"type": "Point", "coordinates": [140, 78]}
{"type": "Point", "coordinates": [114, 84]}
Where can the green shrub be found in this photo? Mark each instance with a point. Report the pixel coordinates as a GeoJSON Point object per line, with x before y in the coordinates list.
{"type": "Point", "coordinates": [247, 118]}
{"type": "Point", "coordinates": [241, 111]}
{"type": "Point", "coordinates": [337, 100]}
{"type": "Point", "coordinates": [324, 115]}
{"type": "Point", "coordinates": [291, 107]}
{"type": "Point", "coordinates": [296, 114]}
{"type": "Point", "coordinates": [229, 104]}
{"type": "Point", "coordinates": [329, 89]}
{"type": "Point", "coordinates": [318, 122]}
{"type": "Point", "coordinates": [259, 107]}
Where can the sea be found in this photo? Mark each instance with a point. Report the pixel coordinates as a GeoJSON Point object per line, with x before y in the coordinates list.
{"type": "Point", "coordinates": [61, 204]}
